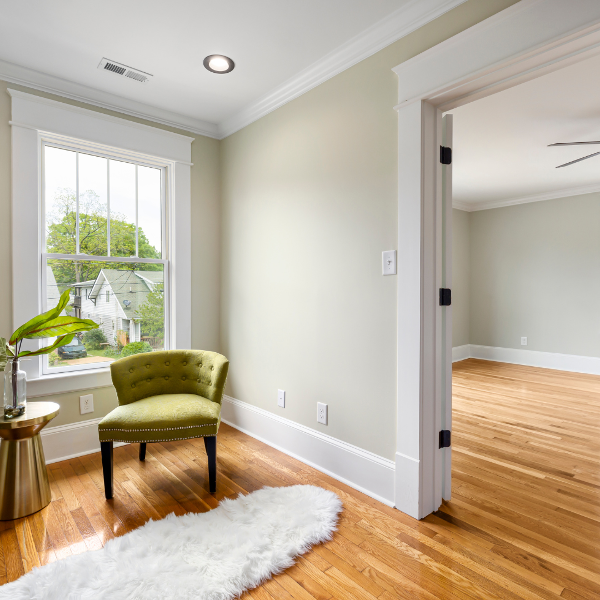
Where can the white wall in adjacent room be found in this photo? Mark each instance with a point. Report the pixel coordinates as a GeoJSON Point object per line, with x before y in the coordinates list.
{"type": "Point", "coordinates": [461, 277]}
{"type": "Point", "coordinates": [534, 272]}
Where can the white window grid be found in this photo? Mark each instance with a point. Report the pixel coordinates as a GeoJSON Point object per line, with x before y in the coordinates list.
{"type": "Point", "coordinates": [113, 154]}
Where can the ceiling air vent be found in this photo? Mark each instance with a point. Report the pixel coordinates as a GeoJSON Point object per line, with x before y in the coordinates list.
{"type": "Point", "coordinates": [124, 70]}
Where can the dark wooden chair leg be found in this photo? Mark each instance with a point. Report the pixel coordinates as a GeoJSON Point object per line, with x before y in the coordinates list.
{"type": "Point", "coordinates": [107, 468]}
{"type": "Point", "coordinates": [142, 450]}
{"type": "Point", "coordinates": [210, 443]}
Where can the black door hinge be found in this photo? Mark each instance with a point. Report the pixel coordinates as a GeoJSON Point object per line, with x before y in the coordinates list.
{"type": "Point", "coordinates": [445, 297]}
{"type": "Point", "coordinates": [445, 435]}
{"type": "Point", "coordinates": [445, 155]}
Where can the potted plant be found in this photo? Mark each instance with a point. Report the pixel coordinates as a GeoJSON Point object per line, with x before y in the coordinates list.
{"type": "Point", "coordinates": [47, 325]}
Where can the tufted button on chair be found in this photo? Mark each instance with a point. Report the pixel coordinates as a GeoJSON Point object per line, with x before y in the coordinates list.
{"type": "Point", "coordinates": [174, 404]}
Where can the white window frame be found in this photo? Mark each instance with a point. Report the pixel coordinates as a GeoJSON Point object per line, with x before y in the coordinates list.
{"type": "Point", "coordinates": [48, 141]}
{"type": "Point", "coordinates": [36, 120]}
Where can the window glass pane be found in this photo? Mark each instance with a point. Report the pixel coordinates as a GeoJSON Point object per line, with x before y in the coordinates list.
{"type": "Point", "coordinates": [60, 185]}
{"type": "Point", "coordinates": [92, 204]}
{"type": "Point", "coordinates": [130, 322]}
{"type": "Point", "coordinates": [149, 213]}
{"type": "Point", "coordinates": [122, 208]}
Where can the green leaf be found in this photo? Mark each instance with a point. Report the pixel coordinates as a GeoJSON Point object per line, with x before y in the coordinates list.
{"type": "Point", "coordinates": [3, 353]}
{"type": "Point", "coordinates": [63, 340]}
{"type": "Point", "coordinates": [60, 326]}
{"type": "Point", "coordinates": [36, 322]}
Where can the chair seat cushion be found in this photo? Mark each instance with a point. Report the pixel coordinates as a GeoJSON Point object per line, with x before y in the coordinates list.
{"type": "Point", "coordinates": [161, 418]}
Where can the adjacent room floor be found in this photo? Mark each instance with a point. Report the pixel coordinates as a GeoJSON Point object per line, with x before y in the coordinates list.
{"type": "Point", "coordinates": [524, 521]}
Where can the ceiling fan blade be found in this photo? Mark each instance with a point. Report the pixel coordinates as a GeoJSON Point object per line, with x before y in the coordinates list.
{"type": "Point", "coordinates": [578, 160]}
{"type": "Point", "coordinates": [572, 144]}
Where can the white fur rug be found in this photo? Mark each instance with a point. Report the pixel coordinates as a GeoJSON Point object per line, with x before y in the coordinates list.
{"type": "Point", "coordinates": [208, 556]}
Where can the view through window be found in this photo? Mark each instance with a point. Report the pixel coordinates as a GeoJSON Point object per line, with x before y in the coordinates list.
{"type": "Point", "coordinates": [104, 242]}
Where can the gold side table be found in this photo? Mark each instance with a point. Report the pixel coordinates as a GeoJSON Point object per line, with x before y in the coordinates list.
{"type": "Point", "coordinates": [24, 487]}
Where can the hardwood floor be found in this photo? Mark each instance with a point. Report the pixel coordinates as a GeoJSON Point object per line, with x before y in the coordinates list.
{"type": "Point", "coordinates": [524, 520]}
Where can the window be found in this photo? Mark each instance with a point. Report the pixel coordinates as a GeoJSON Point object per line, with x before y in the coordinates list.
{"type": "Point", "coordinates": [103, 230]}
{"type": "Point", "coordinates": [37, 122]}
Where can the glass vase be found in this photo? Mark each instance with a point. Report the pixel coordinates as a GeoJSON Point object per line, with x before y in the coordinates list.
{"type": "Point", "coordinates": [15, 389]}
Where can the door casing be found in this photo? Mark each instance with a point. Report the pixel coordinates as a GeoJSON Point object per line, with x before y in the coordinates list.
{"type": "Point", "coordinates": [525, 41]}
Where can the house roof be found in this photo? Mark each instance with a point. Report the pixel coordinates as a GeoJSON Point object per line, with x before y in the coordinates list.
{"type": "Point", "coordinates": [131, 288]}
{"type": "Point", "coordinates": [52, 291]}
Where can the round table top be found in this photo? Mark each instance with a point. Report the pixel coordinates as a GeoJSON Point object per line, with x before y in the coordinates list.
{"type": "Point", "coordinates": [35, 413]}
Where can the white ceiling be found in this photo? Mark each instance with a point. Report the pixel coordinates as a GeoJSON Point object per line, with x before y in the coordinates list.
{"type": "Point", "coordinates": [271, 42]}
{"type": "Point", "coordinates": [500, 153]}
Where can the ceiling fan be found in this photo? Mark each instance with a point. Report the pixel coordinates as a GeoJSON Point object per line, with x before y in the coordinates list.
{"type": "Point", "coordinates": [575, 144]}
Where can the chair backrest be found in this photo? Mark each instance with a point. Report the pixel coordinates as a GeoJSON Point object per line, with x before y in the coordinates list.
{"type": "Point", "coordinates": [170, 372]}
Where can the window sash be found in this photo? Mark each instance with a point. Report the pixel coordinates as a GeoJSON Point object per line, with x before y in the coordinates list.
{"type": "Point", "coordinates": [109, 156]}
{"type": "Point", "coordinates": [46, 369]}
{"type": "Point", "coordinates": [45, 256]}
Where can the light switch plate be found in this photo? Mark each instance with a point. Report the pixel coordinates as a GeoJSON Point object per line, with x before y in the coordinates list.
{"type": "Point", "coordinates": [281, 398]}
{"type": "Point", "coordinates": [86, 404]}
{"type": "Point", "coordinates": [389, 262]}
{"type": "Point", "coordinates": [322, 413]}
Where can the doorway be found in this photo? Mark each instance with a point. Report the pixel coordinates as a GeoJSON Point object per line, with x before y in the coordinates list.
{"type": "Point", "coordinates": [525, 41]}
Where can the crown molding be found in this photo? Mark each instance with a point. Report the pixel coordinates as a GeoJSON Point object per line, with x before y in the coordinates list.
{"type": "Point", "coordinates": [564, 193]}
{"type": "Point", "coordinates": [461, 206]}
{"type": "Point", "coordinates": [405, 20]}
{"type": "Point", "coordinates": [410, 17]}
{"type": "Point", "coordinates": [19, 75]}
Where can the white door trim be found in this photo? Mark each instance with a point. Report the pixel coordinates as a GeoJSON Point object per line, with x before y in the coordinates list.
{"type": "Point", "coordinates": [527, 40]}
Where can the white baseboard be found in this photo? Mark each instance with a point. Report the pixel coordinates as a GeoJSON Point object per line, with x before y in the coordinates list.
{"type": "Point", "coordinates": [367, 472]}
{"type": "Point", "coordinates": [69, 441]}
{"type": "Point", "coordinates": [530, 358]}
{"type": "Point", "coordinates": [461, 353]}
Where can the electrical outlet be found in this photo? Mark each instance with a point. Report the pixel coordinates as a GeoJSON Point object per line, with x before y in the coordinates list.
{"type": "Point", "coordinates": [281, 398]}
{"type": "Point", "coordinates": [86, 404]}
{"type": "Point", "coordinates": [523, 341]}
{"type": "Point", "coordinates": [322, 413]}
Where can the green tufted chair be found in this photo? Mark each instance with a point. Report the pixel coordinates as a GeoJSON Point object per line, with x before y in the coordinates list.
{"type": "Point", "coordinates": [165, 396]}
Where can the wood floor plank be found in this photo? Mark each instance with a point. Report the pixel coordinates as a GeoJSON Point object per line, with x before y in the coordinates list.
{"type": "Point", "coordinates": [523, 522]}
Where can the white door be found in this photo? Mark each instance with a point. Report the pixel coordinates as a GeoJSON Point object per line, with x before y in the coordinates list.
{"type": "Point", "coordinates": [446, 333]}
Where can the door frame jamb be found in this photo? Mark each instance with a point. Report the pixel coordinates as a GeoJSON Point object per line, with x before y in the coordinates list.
{"type": "Point", "coordinates": [523, 42]}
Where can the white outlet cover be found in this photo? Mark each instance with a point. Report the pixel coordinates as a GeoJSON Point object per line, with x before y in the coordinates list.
{"type": "Point", "coordinates": [389, 262]}
{"type": "Point", "coordinates": [281, 398]}
{"type": "Point", "coordinates": [86, 404]}
{"type": "Point", "coordinates": [322, 413]}
{"type": "Point", "coordinates": [523, 341]}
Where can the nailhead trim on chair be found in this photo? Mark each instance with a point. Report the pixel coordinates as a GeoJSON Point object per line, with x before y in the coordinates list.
{"type": "Point", "coordinates": [161, 428]}
{"type": "Point", "coordinates": [169, 440]}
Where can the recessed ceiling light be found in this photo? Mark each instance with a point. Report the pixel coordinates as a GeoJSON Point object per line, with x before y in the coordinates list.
{"type": "Point", "coordinates": [217, 63]}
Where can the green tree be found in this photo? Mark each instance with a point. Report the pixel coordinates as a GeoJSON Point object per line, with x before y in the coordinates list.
{"type": "Point", "coordinates": [61, 234]}
{"type": "Point", "coordinates": [152, 313]}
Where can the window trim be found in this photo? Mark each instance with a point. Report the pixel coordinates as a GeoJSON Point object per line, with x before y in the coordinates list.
{"type": "Point", "coordinates": [35, 119]}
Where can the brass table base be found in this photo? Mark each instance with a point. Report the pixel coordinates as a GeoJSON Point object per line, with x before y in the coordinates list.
{"type": "Point", "coordinates": [24, 487]}
{"type": "Point", "coordinates": [23, 478]}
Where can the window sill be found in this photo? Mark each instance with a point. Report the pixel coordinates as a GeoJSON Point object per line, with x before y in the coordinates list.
{"type": "Point", "coordinates": [60, 383]}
